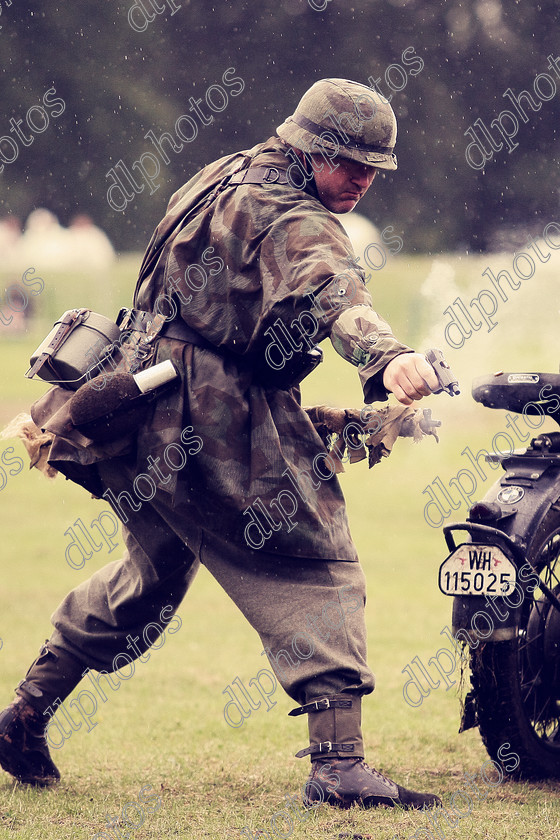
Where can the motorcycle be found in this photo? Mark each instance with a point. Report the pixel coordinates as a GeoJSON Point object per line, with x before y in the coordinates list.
{"type": "Point", "coordinates": [505, 584]}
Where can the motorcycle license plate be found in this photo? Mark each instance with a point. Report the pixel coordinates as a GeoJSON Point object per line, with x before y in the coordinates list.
{"type": "Point", "coordinates": [474, 569]}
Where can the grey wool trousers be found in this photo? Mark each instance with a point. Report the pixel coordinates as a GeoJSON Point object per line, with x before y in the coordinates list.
{"type": "Point", "coordinates": [309, 613]}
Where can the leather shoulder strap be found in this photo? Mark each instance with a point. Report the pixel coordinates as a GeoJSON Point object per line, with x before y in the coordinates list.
{"type": "Point", "coordinates": [259, 175]}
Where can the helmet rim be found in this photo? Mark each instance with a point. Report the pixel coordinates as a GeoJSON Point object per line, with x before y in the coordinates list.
{"type": "Point", "coordinates": [311, 135]}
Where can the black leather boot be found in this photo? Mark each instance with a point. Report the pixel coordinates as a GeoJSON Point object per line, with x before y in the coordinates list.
{"type": "Point", "coordinates": [24, 751]}
{"type": "Point", "coordinates": [344, 782]}
{"type": "Point", "coordinates": [339, 775]}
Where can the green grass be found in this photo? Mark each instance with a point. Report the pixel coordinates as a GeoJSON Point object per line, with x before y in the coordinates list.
{"type": "Point", "coordinates": [164, 727]}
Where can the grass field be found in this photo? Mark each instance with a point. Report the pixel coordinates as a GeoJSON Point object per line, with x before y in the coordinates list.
{"type": "Point", "coordinates": [164, 727]}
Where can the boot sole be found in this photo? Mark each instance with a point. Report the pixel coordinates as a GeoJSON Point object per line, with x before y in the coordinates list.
{"type": "Point", "coordinates": [369, 802]}
{"type": "Point", "coordinates": [376, 802]}
{"type": "Point", "coordinates": [16, 765]}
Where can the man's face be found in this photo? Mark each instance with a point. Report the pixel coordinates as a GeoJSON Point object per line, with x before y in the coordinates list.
{"type": "Point", "coordinates": [341, 189]}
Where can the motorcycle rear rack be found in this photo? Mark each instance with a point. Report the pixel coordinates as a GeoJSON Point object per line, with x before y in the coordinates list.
{"type": "Point", "coordinates": [488, 530]}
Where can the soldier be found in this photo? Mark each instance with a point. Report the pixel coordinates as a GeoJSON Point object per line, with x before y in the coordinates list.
{"type": "Point", "coordinates": [251, 269]}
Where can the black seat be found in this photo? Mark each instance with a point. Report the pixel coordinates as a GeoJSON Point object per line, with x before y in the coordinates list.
{"type": "Point", "coordinates": [515, 391]}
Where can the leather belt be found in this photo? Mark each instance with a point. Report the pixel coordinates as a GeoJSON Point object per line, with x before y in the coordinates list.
{"type": "Point", "coordinates": [182, 332]}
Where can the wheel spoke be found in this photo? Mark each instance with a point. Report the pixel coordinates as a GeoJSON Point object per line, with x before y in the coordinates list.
{"type": "Point", "coordinates": [515, 682]}
{"type": "Point", "coordinates": [535, 687]}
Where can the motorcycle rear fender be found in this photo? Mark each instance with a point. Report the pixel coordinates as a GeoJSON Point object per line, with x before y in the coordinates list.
{"type": "Point", "coordinates": [479, 618]}
{"type": "Point", "coordinates": [538, 475]}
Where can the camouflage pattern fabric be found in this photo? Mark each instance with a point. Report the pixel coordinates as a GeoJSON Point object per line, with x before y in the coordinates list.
{"type": "Point", "coordinates": [346, 118]}
{"type": "Point", "coordinates": [257, 271]}
{"type": "Point", "coordinates": [271, 254]}
{"type": "Point", "coordinates": [352, 435]}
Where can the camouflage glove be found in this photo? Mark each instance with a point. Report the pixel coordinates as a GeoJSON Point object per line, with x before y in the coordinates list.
{"type": "Point", "coordinates": [350, 431]}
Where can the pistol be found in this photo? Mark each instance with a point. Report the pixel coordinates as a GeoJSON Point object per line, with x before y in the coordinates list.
{"type": "Point", "coordinates": [447, 380]}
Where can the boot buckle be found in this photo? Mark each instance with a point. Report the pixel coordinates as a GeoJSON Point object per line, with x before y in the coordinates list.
{"type": "Point", "coordinates": [319, 706]}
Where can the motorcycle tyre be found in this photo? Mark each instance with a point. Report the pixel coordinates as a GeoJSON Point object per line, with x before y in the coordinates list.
{"type": "Point", "coordinates": [504, 723]}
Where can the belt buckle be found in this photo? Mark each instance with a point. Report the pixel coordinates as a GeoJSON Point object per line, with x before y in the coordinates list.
{"type": "Point", "coordinates": [322, 705]}
{"type": "Point", "coordinates": [327, 746]}
{"type": "Point", "coordinates": [124, 318]}
{"type": "Point", "coordinates": [272, 175]}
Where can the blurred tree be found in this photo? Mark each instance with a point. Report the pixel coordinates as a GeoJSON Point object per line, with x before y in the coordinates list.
{"type": "Point", "coordinates": [118, 84]}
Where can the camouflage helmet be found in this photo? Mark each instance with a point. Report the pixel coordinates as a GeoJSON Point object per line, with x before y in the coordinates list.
{"type": "Point", "coordinates": [346, 118]}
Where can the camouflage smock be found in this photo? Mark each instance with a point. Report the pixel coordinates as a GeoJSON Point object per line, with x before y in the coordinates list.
{"type": "Point", "coordinates": [251, 262]}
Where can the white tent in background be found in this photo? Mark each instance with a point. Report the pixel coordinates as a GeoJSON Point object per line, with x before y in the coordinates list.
{"type": "Point", "coordinates": [44, 243]}
{"type": "Point", "coordinates": [361, 233]}
{"type": "Point", "coordinates": [90, 246]}
{"type": "Point", "coordinates": [48, 246]}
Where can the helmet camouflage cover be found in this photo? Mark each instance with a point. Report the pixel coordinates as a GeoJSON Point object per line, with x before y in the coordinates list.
{"type": "Point", "coordinates": [346, 118]}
